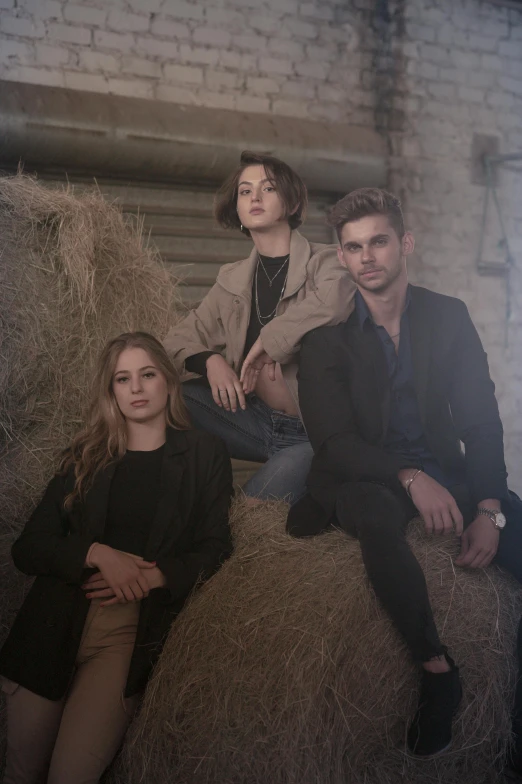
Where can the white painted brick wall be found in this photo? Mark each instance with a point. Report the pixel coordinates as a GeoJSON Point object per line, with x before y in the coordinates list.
{"type": "Point", "coordinates": [282, 58]}
{"type": "Point", "coordinates": [464, 75]}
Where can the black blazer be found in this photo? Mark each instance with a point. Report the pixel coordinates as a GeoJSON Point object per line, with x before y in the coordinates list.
{"type": "Point", "coordinates": [344, 395]}
{"type": "Point", "coordinates": [189, 539]}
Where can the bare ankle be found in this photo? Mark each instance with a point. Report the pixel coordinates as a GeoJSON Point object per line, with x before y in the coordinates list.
{"type": "Point", "coordinates": [437, 664]}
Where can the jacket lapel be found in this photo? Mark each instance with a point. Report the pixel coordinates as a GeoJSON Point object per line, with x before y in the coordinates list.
{"type": "Point", "coordinates": [381, 379]}
{"type": "Point", "coordinates": [168, 516]}
{"type": "Point", "coordinates": [299, 255]}
{"type": "Point", "coordinates": [372, 356]}
{"type": "Point", "coordinates": [97, 501]}
{"type": "Point", "coordinates": [421, 336]}
{"type": "Point", "coordinates": [237, 278]}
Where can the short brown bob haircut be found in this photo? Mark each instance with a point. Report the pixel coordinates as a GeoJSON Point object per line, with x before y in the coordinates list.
{"type": "Point", "coordinates": [290, 187]}
{"type": "Point", "coordinates": [364, 202]}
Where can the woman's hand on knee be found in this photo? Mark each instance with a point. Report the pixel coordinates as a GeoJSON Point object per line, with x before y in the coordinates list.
{"type": "Point", "coordinates": [224, 383]}
{"type": "Point", "coordinates": [121, 577]}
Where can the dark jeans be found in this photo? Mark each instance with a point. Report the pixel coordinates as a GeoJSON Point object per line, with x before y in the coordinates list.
{"type": "Point", "coordinates": [260, 434]}
{"type": "Point", "coordinates": [378, 517]}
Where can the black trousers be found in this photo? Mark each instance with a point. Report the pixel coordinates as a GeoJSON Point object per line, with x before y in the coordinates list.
{"type": "Point", "coordinates": [378, 516]}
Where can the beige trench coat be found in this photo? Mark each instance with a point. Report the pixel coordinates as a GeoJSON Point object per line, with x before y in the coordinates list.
{"type": "Point", "coordinates": [318, 292]}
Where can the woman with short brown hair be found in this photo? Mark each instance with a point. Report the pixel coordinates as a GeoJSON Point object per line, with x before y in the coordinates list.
{"type": "Point", "coordinates": [243, 339]}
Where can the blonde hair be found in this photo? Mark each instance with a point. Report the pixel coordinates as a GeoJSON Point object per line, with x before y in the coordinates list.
{"type": "Point", "coordinates": [104, 435]}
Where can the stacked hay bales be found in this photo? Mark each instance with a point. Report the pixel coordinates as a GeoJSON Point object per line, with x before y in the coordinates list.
{"type": "Point", "coordinates": [73, 273]}
{"type": "Point", "coordinates": [284, 670]}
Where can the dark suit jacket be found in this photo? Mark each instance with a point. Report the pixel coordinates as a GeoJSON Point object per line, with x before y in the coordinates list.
{"type": "Point", "coordinates": [189, 539]}
{"type": "Point", "coordinates": [344, 395]}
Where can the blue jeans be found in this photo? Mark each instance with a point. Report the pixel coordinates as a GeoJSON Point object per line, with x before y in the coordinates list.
{"type": "Point", "coordinates": [260, 434]}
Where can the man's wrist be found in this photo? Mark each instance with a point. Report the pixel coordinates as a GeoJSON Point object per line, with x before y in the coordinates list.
{"type": "Point", "coordinates": [490, 503]}
{"type": "Point", "coordinates": [490, 508]}
{"type": "Point", "coordinates": [405, 474]}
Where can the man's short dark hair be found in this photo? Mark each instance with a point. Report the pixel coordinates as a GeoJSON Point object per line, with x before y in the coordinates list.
{"type": "Point", "coordinates": [364, 202]}
{"type": "Point", "coordinates": [290, 187]}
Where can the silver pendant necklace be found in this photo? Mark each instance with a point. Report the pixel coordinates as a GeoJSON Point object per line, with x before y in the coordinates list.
{"type": "Point", "coordinates": [270, 280]}
{"type": "Point", "coordinates": [263, 320]}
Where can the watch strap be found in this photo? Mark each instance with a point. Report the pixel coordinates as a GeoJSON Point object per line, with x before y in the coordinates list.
{"type": "Point", "coordinates": [492, 513]}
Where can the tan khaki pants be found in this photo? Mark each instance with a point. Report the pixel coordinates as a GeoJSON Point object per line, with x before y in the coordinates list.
{"type": "Point", "coordinates": [71, 741]}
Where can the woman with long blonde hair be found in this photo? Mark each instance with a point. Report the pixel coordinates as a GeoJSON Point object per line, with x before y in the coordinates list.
{"type": "Point", "coordinates": [136, 515]}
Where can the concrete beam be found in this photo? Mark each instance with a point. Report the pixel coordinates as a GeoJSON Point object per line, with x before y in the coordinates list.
{"type": "Point", "coordinates": [109, 135]}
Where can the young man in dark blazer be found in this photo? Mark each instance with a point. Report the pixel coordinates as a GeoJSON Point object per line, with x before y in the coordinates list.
{"type": "Point", "coordinates": [387, 397]}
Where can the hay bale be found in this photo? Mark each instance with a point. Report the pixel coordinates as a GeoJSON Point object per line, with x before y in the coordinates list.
{"type": "Point", "coordinates": [73, 273]}
{"type": "Point", "coordinates": [283, 669]}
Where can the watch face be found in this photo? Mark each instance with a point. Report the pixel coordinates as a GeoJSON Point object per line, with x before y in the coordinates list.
{"type": "Point", "coordinates": [500, 520]}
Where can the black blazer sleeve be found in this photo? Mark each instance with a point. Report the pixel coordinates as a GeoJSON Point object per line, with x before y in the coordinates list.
{"type": "Point", "coordinates": [211, 542]}
{"type": "Point", "coordinates": [475, 411]}
{"type": "Point", "coordinates": [324, 400]}
{"type": "Point", "coordinates": [46, 545]}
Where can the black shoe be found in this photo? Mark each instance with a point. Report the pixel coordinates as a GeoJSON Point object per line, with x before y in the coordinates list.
{"type": "Point", "coordinates": [430, 731]}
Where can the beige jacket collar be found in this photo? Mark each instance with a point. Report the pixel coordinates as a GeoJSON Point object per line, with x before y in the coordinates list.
{"type": "Point", "coordinates": [237, 277]}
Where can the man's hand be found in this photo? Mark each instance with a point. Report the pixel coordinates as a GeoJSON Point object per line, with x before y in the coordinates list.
{"type": "Point", "coordinates": [124, 574]}
{"type": "Point", "coordinates": [435, 504]}
{"type": "Point", "coordinates": [479, 544]}
{"type": "Point", "coordinates": [224, 383]}
{"type": "Point", "coordinates": [254, 362]}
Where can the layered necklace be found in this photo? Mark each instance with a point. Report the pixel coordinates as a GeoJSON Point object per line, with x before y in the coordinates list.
{"type": "Point", "coordinates": [263, 320]}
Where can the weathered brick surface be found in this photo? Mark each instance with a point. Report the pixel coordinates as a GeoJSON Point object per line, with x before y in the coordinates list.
{"type": "Point", "coordinates": [69, 34]}
{"type": "Point", "coordinates": [305, 54]}
{"type": "Point", "coordinates": [465, 78]}
{"type": "Point", "coordinates": [84, 15]}
{"type": "Point", "coordinates": [183, 74]}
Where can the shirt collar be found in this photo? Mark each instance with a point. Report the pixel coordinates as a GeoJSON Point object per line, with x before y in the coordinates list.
{"type": "Point", "coordinates": [363, 312]}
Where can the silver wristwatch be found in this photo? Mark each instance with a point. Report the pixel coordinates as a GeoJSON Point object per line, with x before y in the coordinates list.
{"type": "Point", "coordinates": [497, 518]}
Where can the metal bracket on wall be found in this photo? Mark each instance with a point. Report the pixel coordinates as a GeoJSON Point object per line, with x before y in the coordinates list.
{"type": "Point", "coordinates": [490, 165]}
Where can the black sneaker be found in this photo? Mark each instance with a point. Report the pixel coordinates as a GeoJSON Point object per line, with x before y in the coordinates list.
{"type": "Point", "coordinates": [429, 733]}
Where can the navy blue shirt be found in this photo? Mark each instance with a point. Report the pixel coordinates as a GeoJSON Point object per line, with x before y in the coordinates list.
{"type": "Point", "coordinates": [405, 436]}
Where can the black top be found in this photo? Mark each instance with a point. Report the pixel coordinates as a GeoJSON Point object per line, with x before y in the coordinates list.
{"type": "Point", "coordinates": [133, 501]}
{"type": "Point", "coordinates": [268, 296]}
